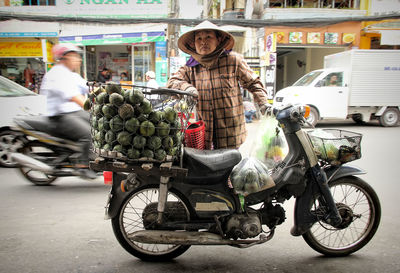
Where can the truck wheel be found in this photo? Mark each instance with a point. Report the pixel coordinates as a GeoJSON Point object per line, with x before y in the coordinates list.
{"type": "Point", "coordinates": [357, 118]}
{"type": "Point", "coordinates": [313, 117]}
{"type": "Point", "coordinates": [390, 118]}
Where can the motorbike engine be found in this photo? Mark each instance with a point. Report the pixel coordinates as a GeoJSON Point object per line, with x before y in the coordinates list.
{"type": "Point", "coordinates": [243, 226]}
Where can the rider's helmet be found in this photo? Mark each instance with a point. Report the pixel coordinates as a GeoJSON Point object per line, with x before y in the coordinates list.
{"type": "Point", "coordinates": [60, 50]}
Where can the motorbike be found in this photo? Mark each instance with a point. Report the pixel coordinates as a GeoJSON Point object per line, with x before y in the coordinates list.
{"type": "Point", "coordinates": [159, 210]}
{"type": "Point", "coordinates": [44, 156]}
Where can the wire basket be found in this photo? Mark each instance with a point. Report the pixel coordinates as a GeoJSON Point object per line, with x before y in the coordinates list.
{"type": "Point", "coordinates": [137, 124]}
{"type": "Point", "coordinates": [335, 146]}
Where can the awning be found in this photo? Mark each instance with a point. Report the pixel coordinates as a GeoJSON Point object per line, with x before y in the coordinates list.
{"type": "Point", "coordinates": [115, 38]}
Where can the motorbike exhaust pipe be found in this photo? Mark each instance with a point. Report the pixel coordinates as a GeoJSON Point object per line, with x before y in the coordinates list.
{"type": "Point", "coordinates": [192, 238]}
{"type": "Point", "coordinates": [30, 162]}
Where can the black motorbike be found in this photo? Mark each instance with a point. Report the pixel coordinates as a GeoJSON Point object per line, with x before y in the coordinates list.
{"type": "Point", "coordinates": [158, 210]}
{"type": "Point", "coordinates": [45, 156]}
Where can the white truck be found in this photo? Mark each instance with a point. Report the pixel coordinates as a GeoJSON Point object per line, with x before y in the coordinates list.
{"type": "Point", "coordinates": [367, 87]}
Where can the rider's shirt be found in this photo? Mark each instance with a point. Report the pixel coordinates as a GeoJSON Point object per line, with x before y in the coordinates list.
{"type": "Point", "coordinates": [60, 85]}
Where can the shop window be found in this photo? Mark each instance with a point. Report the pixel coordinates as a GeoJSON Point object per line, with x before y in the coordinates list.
{"type": "Point", "coordinates": [39, 2]}
{"type": "Point", "coordinates": [142, 61]}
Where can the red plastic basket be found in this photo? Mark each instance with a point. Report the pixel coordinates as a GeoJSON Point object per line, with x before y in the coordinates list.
{"type": "Point", "coordinates": [194, 135]}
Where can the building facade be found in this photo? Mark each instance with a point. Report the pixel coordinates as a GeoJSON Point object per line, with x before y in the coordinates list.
{"type": "Point", "coordinates": [130, 48]}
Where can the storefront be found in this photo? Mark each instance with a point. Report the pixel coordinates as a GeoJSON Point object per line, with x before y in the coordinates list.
{"type": "Point", "coordinates": [132, 53]}
{"type": "Point", "coordinates": [294, 51]}
{"type": "Point", "coordinates": [25, 60]}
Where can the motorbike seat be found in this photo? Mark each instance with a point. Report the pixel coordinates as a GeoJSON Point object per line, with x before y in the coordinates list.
{"type": "Point", "coordinates": [211, 160]}
{"type": "Point", "coordinates": [39, 124]}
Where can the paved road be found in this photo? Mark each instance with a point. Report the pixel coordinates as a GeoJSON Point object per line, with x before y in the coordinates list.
{"type": "Point", "coordinates": [61, 228]}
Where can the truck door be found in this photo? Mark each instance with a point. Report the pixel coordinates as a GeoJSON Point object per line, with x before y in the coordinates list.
{"type": "Point", "coordinates": [334, 95]}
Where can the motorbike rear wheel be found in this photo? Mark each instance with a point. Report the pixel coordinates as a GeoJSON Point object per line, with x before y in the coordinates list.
{"type": "Point", "coordinates": [10, 142]}
{"type": "Point", "coordinates": [359, 207]}
{"type": "Point", "coordinates": [130, 218]}
{"type": "Point", "coordinates": [42, 152]}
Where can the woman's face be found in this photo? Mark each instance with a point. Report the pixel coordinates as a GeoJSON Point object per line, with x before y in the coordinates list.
{"type": "Point", "coordinates": [205, 41]}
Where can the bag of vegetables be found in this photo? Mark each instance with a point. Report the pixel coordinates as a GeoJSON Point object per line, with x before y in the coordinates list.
{"type": "Point", "coordinates": [270, 145]}
{"type": "Point", "coordinates": [251, 176]}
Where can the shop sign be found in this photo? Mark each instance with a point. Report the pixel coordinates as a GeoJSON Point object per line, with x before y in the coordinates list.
{"type": "Point", "coordinates": [119, 38]}
{"type": "Point", "coordinates": [28, 34]}
{"type": "Point", "coordinates": [21, 49]}
{"type": "Point", "coordinates": [114, 8]}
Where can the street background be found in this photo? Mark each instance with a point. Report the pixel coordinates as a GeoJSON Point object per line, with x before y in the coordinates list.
{"type": "Point", "coordinates": [60, 228]}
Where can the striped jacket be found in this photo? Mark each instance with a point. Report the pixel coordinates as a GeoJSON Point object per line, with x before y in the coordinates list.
{"type": "Point", "coordinates": [220, 103]}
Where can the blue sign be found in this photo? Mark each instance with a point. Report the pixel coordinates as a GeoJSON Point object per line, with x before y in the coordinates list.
{"type": "Point", "coordinates": [28, 34]}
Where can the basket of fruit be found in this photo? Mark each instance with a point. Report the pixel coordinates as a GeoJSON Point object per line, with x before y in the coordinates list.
{"type": "Point", "coordinates": [136, 123]}
{"type": "Point", "coordinates": [335, 146]}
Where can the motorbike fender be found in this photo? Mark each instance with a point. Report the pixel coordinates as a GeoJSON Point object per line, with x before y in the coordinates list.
{"type": "Point", "coordinates": [303, 219]}
{"type": "Point", "coordinates": [335, 173]}
{"type": "Point", "coordinates": [117, 196]}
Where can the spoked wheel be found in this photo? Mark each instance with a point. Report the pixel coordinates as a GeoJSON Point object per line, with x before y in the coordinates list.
{"type": "Point", "coordinates": [43, 153]}
{"type": "Point", "coordinates": [139, 212]}
{"type": "Point", "coordinates": [360, 210]}
{"type": "Point", "coordinates": [10, 142]}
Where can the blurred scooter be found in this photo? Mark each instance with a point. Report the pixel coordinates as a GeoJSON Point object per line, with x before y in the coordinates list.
{"type": "Point", "coordinates": [46, 156]}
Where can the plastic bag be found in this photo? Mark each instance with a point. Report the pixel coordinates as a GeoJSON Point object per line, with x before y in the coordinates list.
{"type": "Point", "coordinates": [270, 145]}
{"type": "Point", "coordinates": [251, 176]}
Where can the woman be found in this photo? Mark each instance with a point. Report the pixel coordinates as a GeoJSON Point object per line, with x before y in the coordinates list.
{"type": "Point", "coordinates": [215, 73]}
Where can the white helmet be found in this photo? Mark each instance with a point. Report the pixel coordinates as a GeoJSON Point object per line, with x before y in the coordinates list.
{"type": "Point", "coordinates": [151, 74]}
{"type": "Point", "coordinates": [60, 50]}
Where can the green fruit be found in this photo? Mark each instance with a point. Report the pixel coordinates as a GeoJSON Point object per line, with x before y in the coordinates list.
{"type": "Point", "coordinates": [176, 126]}
{"type": "Point", "coordinates": [170, 114]}
{"type": "Point", "coordinates": [116, 99]}
{"type": "Point", "coordinates": [124, 138]}
{"type": "Point", "coordinates": [100, 137]}
{"type": "Point", "coordinates": [146, 106]}
{"type": "Point", "coordinates": [148, 153]}
{"type": "Point", "coordinates": [97, 110]}
{"type": "Point", "coordinates": [147, 128]}
{"type": "Point", "coordinates": [163, 129]}
{"type": "Point", "coordinates": [109, 110]}
{"type": "Point", "coordinates": [87, 104]}
{"type": "Point", "coordinates": [133, 153]}
{"type": "Point", "coordinates": [103, 124]}
{"type": "Point", "coordinates": [118, 148]}
{"type": "Point", "coordinates": [110, 136]}
{"type": "Point", "coordinates": [126, 95]}
{"type": "Point", "coordinates": [251, 176]}
{"type": "Point", "coordinates": [167, 142]}
{"type": "Point", "coordinates": [113, 88]}
{"type": "Point", "coordinates": [160, 154]}
{"type": "Point", "coordinates": [177, 138]}
{"type": "Point", "coordinates": [136, 96]}
{"type": "Point", "coordinates": [139, 142]}
{"type": "Point", "coordinates": [94, 122]}
{"type": "Point", "coordinates": [156, 116]}
{"type": "Point", "coordinates": [172, 151]}
{"type": "Point", "coordinates": [142, 117]}
{"type": "Point", "coordinates": [154, 142]}
{"type": "Point", "coordinates": [131, 125]}
{"type": "Point", "coordinates": [102, 98]}
{"type": "Point", "coordinates": [125, 111]}
{"type": "Point", "coordinates": [251, 187]}
{"type": "Point", "coordinates": [107, 147]}
{"type": "Point", "coordinates": [116, 124]}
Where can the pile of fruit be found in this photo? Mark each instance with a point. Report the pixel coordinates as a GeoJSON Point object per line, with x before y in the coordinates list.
{"type": "Point", "coordinates": [124, 121]}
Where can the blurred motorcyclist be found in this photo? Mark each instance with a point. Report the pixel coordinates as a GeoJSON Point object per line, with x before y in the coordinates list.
{"type": "Point", "coordinates": [65, 91]}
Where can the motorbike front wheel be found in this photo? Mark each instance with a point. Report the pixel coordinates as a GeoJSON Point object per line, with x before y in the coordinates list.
{"type": "Point", "coordinates": [42, 152]}
{"type": "Point", "coordinates": [141, 204]}
{"type": "Point", "coordinates": [359, 207]}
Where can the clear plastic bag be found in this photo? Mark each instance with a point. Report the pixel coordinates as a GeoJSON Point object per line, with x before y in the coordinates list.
{"type": "Point", "coordinates": [251, 176]}
{"type": "Point", "coordinates": [270, 146]}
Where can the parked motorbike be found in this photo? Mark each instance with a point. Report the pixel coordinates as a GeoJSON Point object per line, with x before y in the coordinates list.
{"type": "Point", "coordinates": [158, 210]}
{"type": "Point", "coordinates": [43, 156]}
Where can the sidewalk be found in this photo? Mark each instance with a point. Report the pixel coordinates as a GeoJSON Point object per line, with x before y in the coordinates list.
{"type": "Point", "coordinates": [252, 129]}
